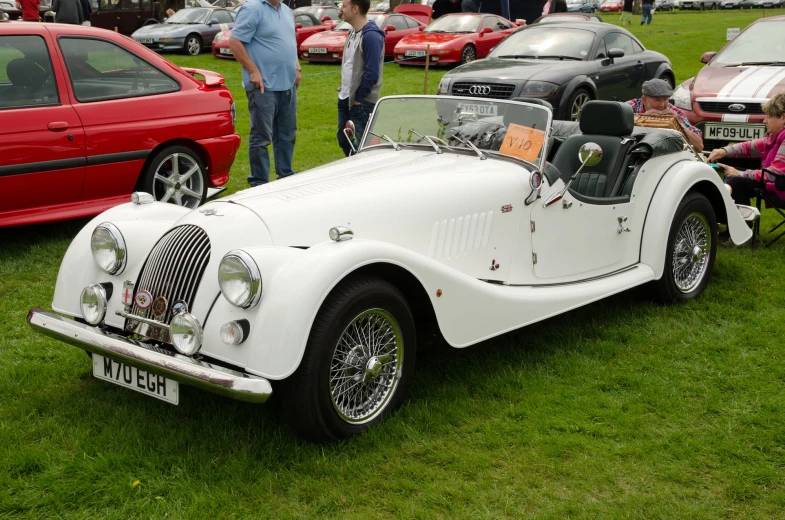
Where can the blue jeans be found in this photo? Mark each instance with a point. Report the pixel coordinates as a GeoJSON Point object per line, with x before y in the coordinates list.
{"type": "Point", "coordinates": [359, 115]}
{"type": "Point", "coordinates": [273, 120]}
{"type": "Point", "coordinates": [646, 13]}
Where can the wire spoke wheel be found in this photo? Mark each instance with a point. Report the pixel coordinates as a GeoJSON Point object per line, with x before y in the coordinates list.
{"type": "Point", "coordinates": [468, 54]}
{"type": "Point", "coordinates": [178, 180]}
{"type": "Point", "coordinates": [691, 252]}
{"type": "Point", "coordinates": [366, 366]}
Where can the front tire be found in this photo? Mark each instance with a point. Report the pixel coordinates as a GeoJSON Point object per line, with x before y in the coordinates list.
{"type": "Point", "coordinates": [690, 251]}
{"type": "Point", "coordinates": [358, 362]}
{"type": "Point", "coordinates": [176, 175]}
{"type": "Point", "coordinates": [469, 53]}
{"type": "Point", "coordinates": [193, 45]}
{"type": "Point", "coordinates": [579, 98]}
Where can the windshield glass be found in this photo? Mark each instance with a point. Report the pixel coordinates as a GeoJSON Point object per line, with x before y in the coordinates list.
{"type": "Point", "coordinates": [455, 24]}
{"type": "Point", "coordinates": [502, 127]}
{"type": "Point", "coordinates": [378, 19]}
{"type": "Point", "coordinates": [763, 43]}
{"type": "Point", "coordinates": [542, 43]}
{"type": "Point", "coordinates": [190, 16]}
{"type": "Point", "coordinates": [562, 18]}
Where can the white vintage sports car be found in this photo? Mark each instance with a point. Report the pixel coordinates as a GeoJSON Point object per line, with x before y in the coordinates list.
{"type": "Point", "coordinates": [480, 216]}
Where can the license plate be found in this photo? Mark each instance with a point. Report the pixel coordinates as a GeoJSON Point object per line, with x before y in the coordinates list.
{"type": "Point", "coordinates": [225, 51]}
{"type": "Point", "coordinates": [317, 50]}
{"type": "Point", "coordinates": [415, 54]}
{"type": "Point", "coordinates": [135, 378]}
{"type": "Point", "coordinates": [144, 40]}
{"type": "Point", "coordinates": [480, 110]}
{"type": "Point", "coordinates": [734, 132]}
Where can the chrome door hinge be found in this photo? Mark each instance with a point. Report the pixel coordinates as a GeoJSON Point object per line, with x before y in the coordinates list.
{"type": "Point", "coordinates": [534, 258]}
{"type": "Point", "coordinates": [532, 223]}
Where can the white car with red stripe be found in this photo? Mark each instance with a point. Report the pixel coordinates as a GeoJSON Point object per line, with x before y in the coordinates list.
{"type": "Point", "coordinates": [725, 98]}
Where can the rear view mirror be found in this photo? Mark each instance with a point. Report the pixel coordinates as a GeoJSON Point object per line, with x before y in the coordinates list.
{"type": "Point", "coordinates": [298, 26]}
{"type": "Point", "coordinates": [389, 28]}
{"type": "Point", "coordinates": [326, 18]}
{"type": "Point", "coordinates": [590, 154]}
{"type": "Point", "coordinates": [486, 30]}
{"type": "Point", "coordinates": [349, 131]}
{"type": "Point", "coordinates": [615, 53]}
{"type": "Point", "coordinates": [707, 57]}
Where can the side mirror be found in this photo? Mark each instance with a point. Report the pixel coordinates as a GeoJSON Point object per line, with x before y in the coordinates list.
{"type": "Point", "coordinates": [614, 53]}
{"type": "Point", "coordinates": [298, 26]}
{"type": "Point", "coordinates": [389, 28]}
{"type": "Point", "coordinates": [707, 57]}
{"type": "Point", "coordinates": [486, 30]}
{"type": "Point", "coordinates": [326, 18]}
{"type": "Point", "coordinates": [349, 131]}
{"type": "Point", "coordinates": [590, 154]}
{"type": "Point", "coordinates": [421, 28]}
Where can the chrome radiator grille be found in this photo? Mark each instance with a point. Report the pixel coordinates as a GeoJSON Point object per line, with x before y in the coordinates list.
{"type": "Point", "coordinates": [484, 90]}
{"type": "Point", "coordinates": [174, 269]}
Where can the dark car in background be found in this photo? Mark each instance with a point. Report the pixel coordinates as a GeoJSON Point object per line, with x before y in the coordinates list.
{"type": "Point", "coordinates": [8, 10]}
{"type": "Point", "coordinates": [568, 17]}
{"type": "Point", "coordinates": [565, 64]}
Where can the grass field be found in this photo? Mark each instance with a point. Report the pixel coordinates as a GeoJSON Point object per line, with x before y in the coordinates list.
{"type": "Point", "coordinates": [622, 409]}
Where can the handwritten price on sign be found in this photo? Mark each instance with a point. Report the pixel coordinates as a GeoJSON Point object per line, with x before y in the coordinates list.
{"type": "Point", "coordinates": [523, 142]}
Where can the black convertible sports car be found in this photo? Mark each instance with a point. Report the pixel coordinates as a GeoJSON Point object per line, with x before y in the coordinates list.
{"type": "Point", "coordinates": [565, 64]}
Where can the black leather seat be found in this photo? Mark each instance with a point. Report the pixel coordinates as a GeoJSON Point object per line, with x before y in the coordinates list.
{"type": "Point", "coordinates": [607, 123]}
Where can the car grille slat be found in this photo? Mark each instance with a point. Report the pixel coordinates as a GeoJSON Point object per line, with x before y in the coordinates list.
{"type": "Point", "coordinates": [174, 268]}
{"type": "Point", "coordinates": [722, 107]}
{"type": "Point", "coordinates": [494, 90]}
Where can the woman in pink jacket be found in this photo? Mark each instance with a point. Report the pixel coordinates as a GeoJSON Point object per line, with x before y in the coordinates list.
{"type": "Point", "coordinates": [770, 150]}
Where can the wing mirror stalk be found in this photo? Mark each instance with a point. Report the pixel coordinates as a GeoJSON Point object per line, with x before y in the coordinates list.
{"type": "Point", "coordinates": [590, 154]}
{"type": "Point", "coordinates": [349, 131]}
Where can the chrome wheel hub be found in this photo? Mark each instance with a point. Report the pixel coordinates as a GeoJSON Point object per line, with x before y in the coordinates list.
{"type": "Point", "coordinates": [366, 366]}
{"type": "Point", "coordinates": [577, 106]}
{"type": "Point", "coordinates": [178, 180]}
{"type": "Point", "coordinates": [691, 252]}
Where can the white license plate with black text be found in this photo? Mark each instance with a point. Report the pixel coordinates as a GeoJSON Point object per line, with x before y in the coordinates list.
{"type": "Point", "coordinates": [317, 50]}
{"type": "Point", "coordinates": [734, 132]}
{"type": "Point", "coordinates": [144, 40]}
{"type": "Point", "coordinates": [137, 379]}
{"type": "Point", "coordinates": [480, 110]}
{"type": "Point", "coordinates": [225, 51]}
{"type": "Point", "coordinates": [414, 54]}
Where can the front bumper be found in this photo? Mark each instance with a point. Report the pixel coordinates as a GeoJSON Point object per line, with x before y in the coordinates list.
{"type": "Point", "coordinates": [186, 370]}
{"type": "Point", "coordinates": [176, 44]}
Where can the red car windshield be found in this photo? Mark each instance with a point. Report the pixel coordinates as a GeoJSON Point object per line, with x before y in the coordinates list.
{"type": "Point", "coordinates": [455, 24]}
{"type": "Point", "coordinates": [762, 45]}
{"type": "Point", "coordinates": [378, 19]}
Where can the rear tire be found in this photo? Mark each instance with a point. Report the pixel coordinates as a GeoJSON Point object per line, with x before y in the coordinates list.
{"type": "Point", "coordinates": [176, 175]}
{"type": "Point", "coordinates": [358, 362]}
{"type": "Point", "coordinates": [690, 251]}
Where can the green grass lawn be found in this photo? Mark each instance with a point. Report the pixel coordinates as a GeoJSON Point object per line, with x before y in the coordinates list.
{"type": "Point", "coordinates": [622, 409]}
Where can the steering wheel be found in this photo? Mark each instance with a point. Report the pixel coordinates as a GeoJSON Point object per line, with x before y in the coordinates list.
{"type": "Point", "coordinates": [434, 138]}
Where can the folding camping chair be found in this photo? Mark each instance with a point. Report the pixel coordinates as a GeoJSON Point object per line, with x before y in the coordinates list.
{"type": "Point", "coordinates": [772, 201]}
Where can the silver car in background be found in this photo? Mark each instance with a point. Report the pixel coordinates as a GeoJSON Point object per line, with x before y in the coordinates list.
{"type": "Point", "coordinates": [188, 30]}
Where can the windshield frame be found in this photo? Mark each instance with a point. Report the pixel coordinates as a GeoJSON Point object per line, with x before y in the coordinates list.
{"type": "Point", "coordinates": [461, 99]}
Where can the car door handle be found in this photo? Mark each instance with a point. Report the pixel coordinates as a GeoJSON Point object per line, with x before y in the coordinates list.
{"type": "Point", "coordinates": [57, 126]}
{"type": "Point", "coordinates": [640, 64]}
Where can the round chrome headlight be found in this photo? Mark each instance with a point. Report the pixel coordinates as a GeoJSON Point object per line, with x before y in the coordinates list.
{"type": "Point", "coordinates": [108, 248]}
{"type": "Point", "coordinates": [93, 304]}
{"type": "Point", "coordinates": [186, 333]}
{"type": "Point", "coordinates": [240, 279]}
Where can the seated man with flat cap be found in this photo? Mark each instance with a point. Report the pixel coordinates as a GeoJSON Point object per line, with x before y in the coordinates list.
{"type": "Point", "coordinates": [656, 101]}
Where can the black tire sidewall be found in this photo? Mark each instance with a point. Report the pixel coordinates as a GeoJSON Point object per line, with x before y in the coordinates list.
{"type": "Point", "coordinates": [147, 178]}
{"type": "Point", "coordinates": [691, 203]}
{"type": "Point", "coordinates": [346, 302]}
{"type": "Point", "coordinates": [463, 53]}
{"type": "Point", "coordinates": [190, 36]}
{"type": "Point", "coordinates": [573, 97]}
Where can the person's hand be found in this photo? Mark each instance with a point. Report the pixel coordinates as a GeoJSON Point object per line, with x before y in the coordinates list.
{"type": "Point", "coordinates": [656, 112]}
{"type": "Point", "coordinates": [256, 80]}
{"type": "Point", "coordinates": [297, 75]}
{"type": "Point", "coordinates": [716, 154]}
{"type": "Point", "coordinates": [730, 171]}
{"type": "Point", "coordinates": [356, 103]}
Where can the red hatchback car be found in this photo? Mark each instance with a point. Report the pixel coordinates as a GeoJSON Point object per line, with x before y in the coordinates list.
{"type": "Point", "coordinates": [88, 116]}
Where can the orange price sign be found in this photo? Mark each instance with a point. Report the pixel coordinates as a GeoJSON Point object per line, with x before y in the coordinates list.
{"type": "Point", "coordinates": [523, 142]}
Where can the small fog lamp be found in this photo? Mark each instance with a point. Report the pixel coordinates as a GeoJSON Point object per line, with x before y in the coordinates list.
{"type": "Point", "coordinates": [235, 332]}
{"type": "Point", "coordinates": [186, 333]}
{"type": "Point", "coordinates": [93, 304]}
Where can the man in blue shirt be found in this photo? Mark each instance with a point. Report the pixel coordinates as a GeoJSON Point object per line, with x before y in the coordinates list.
{"type": "Point", "coordinates": [263, 40]}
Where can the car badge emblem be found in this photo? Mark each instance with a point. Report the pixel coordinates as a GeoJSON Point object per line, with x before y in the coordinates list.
{"type": "Point", "coordinates": [128, 292]}
{"type": "Point", "coordinates": [736, 107]}
{"type": "Point", "coordinates": [159, 306]}
{"type": "Point", "coordinates": [143, 299]}
{"type": "Point", "coordinates": [507, 208]}
{"type": "Point", "coordinates": [210, 212]}
{"type": "Point", "coordinates": [480, 90]}
{"type": "Point", "coordinates": [179, 306]}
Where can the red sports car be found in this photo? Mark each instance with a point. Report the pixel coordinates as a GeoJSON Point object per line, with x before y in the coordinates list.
{"type": "Point", "coordinates": [90, 116]}
{"type": "Point", "coordinates": [455, 38]}
{"type": "Point", "coordinates": [320, 12]}
{"type": "Point", "coordinates": [612, 6]}
{"type": "Point", "coordinates": [305, 25]}
{"type": "Point", "coordinates": [725, 98]}
{"type": "Point", "coordinates": [328, 46]}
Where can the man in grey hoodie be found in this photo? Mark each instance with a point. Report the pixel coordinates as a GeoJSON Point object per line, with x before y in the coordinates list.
{"type": "Point", "coordinates": [361, 70]}
{"type": "Point", "coordinates": [68, 11]}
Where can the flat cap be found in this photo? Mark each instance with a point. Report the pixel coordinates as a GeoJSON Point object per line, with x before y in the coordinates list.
{"type": "Point", "coordinates": [656, 88]}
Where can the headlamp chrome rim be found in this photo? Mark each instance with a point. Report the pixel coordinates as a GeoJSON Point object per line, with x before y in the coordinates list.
{"type": "Point", "coordinates": [254, 274]}
{"type": "Point", "coordinates": [119, 243]}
